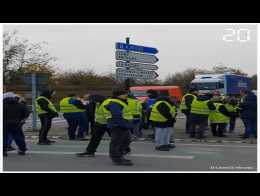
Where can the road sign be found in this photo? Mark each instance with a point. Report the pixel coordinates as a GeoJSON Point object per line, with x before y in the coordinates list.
{"type": "Point", "coordinates": [136, 65]}
{"type": "Point", "coordinates": [135, 74]}
{"type": "Point", "coordinates": [136, 48]}
{"type": "Point", "coordinates": [41, 79]}
{"type": "Point", "coordinates": [136, 57]}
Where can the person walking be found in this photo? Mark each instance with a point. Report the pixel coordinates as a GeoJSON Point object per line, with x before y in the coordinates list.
{"type": "Point", "coordinates": [100, 128]}
{"type": "Point", "coordinates": [199, 112]}
{"type": "Point", "coordinates": [74, 112]}
{"type": "Point", "coordinates": [162, 117]}
{"type": "Point", "coordinates": [248, 113]}
{"type": "Point", "coordinates": [119, 117]}
{"type": "Point", "coordinates": [184, 106]}
{"type": "Point", "coordinates": [46, 112]}
{"type": "Point", "coordinates": [219, 117]}
{"type": "Point", "coordinates": [14, 114]}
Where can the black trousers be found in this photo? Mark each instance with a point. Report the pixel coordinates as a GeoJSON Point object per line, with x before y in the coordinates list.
{"type": "Point", "coordinates": [218, 128]}
{"type": "Point", "coordinates": [45, 127]}
{"type": "Point", "coordinates": [202, 125]}
{"type": "Point", "coordinates": [16, 131]}
{"type": "Point", "coordinates": [96, 137]}
{"type": "Point", "coordinates": [120, 141]}
{"type": "Point", "coordinates": [187, 126]}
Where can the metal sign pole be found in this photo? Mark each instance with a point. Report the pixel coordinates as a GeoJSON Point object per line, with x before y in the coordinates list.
{"type": "Point", "coordinates": [34, 94]}
{"type": "Point", "coordinates": [127, 81]}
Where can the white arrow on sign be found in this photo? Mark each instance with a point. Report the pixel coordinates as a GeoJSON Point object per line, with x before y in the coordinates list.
{"type": "Point", "coordinates": [137, 57]}
{"type": "Point", "coordinates": [135, 74]}
{"type": "Point", "coordinates": [136, 65]}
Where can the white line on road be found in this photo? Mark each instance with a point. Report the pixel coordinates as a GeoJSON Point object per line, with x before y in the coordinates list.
{"type": "Point", "coordinates": [106, 154]}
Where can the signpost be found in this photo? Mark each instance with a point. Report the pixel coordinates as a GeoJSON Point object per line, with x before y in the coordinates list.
{"type": "Point", "coordinates": [136, 74]}
{"type": "Point", "coordinates": [136, 48]}
{"type": "Point", "coordinates": [136, 65]}
{"type": "Point", "coordinates": [135, 62]}
{"type": "Point", "coordinates": [35, 80]}
{"type": "Point", "coordinates": [136, 57]}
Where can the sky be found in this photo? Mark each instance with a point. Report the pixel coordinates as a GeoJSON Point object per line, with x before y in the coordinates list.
{"type": "Point", "coordinates": [181, 46]}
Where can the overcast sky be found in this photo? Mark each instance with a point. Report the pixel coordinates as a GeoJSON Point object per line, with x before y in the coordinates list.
{"type": "Point", "coordinates": [180, 46]}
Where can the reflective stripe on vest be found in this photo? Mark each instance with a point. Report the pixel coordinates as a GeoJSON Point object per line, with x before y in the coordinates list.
{"type": "Point", "coordinates": [135, 106]}
{"type": "Point", "coordinates": [66, 107]}
{"type": "Point", "coordinates": [126, 112]}
{"type": "Point", "coordinates": [218, 117]}
{"type": "Point", "coordinates": [183, 105]}
{"type": "Point", "coordinates": [39, 110]}
{"type": "Point", "coordinates": [157, 116]}
{"type": "Point", "coordinates": [200, 107]}
{"type": "Point", "coordinates": [99, 114]}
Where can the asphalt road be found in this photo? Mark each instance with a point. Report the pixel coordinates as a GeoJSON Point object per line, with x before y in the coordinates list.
{"type": "Point", "coordinates": [185, 157]}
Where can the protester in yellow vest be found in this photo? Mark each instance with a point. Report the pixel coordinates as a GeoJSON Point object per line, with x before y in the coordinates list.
{"type": "Point", "coordinates": [136, 108]}
{"type": "Point", "coordinates": [119, 117]}
{"type": "Point", "coordinates": [74, 112]}
{"type": "Point", "coordinates": [185, 102]}
{"type": "Point", "coordinates": [219, 117]}
{"type": "Point", "coordinates": [46, 112]}
{"type": "Point", "coordinates": [231, 105]}
{"type": "Point", "coordinates": [163, 116]}
{"type": "Point", "coordinates": [200, 110]}
{"type": "Point", "coordinates": [100, 127]}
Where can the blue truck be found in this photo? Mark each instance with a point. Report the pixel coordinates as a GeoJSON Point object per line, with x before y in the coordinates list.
{"type": "Point", "coordinates": [226, 84]}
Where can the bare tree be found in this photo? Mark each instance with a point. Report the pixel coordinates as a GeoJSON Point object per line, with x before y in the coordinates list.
{"type": "Point", "coordinates": [20, 54]}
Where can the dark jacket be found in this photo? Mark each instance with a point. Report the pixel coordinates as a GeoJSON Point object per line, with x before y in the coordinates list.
{"type": "Point", "coordinates": [210, 104]}
{"type": "Point", "coordinates": [249, 106]}
{"type": "Point", "coordinates": [13, 111]}
{"type": "Point", "coordinates": [165, 111]}
{"type": "Point", "coordinates": [44, 105]}
{"type": "Point", "coordinates": [117, 119]}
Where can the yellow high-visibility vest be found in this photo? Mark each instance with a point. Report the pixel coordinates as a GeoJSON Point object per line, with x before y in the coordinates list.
{"type": "Point", "coordinates": [66, 107]}
{"type": "Point", "coordinates": [126, 112]}
{"type": "Point", "coordinates": [39, 110]}
{"type": "Point", "coordinates": [157, 116]}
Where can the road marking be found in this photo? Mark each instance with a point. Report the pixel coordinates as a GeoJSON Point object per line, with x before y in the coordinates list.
{"type": "Point", "coordinates": [106, 154]}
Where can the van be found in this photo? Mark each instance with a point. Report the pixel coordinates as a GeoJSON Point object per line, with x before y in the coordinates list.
{"type": "Point", "coordinates": [141, 91]}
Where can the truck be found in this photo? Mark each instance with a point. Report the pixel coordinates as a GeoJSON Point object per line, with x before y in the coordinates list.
{"type": "Point", "coordinates": [226, 84]}
{"type": "Point", "coordinates": [141, 91]}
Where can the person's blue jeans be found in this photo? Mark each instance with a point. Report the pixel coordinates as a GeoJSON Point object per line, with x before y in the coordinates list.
{"type": "Point", "coordinates": [250, 126]}
{"type": "Point", "coordinates": [14, 129]}
{"type": "Point", "coordinates": [163, 135]}
{"type": "Point", "coordinates": [76, 120]}
{"type": "Point", "coordinates": [136, 124]}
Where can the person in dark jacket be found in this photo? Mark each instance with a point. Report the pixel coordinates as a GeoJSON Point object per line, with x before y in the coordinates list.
{"type": "Point", "coordinates": [46, 112]}
{"type": "Point", "coordinates": [199, 113]}
{"type": "Point", "coordinates": [14, 113]}
{"type": "Point", "coordinates": [162, 118]}
{"type": "Point", "coordinates": [185, 106]}
{"type": "Point", "coordinates": [248, 113]}
{"type": "Point", "coordinates": [119, 117]}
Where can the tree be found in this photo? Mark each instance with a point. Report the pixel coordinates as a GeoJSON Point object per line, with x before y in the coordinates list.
{"type": "Point", "coordinates": [20, 55]}
{"type": "Point", "coordinates": [220, 69]}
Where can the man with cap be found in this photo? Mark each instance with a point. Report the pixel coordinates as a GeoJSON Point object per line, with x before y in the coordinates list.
{"type": "Point", "coordinates": [14, 113]}
{"type": "Point", "coordinates": [119, 120]}
{"type": "Point", "coordinates": [46, 112]}
{"type": "Point", "coordinates": [184, 106]}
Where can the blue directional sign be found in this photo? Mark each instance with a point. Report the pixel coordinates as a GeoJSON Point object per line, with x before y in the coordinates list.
{"type": "Point", "coordinates": [136, 48]}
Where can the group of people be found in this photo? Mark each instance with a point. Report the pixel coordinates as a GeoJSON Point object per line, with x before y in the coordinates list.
{"type": "Point", "coordinates": [220, 111]}
{"type": "Point", "coordinates": [122, 116]}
